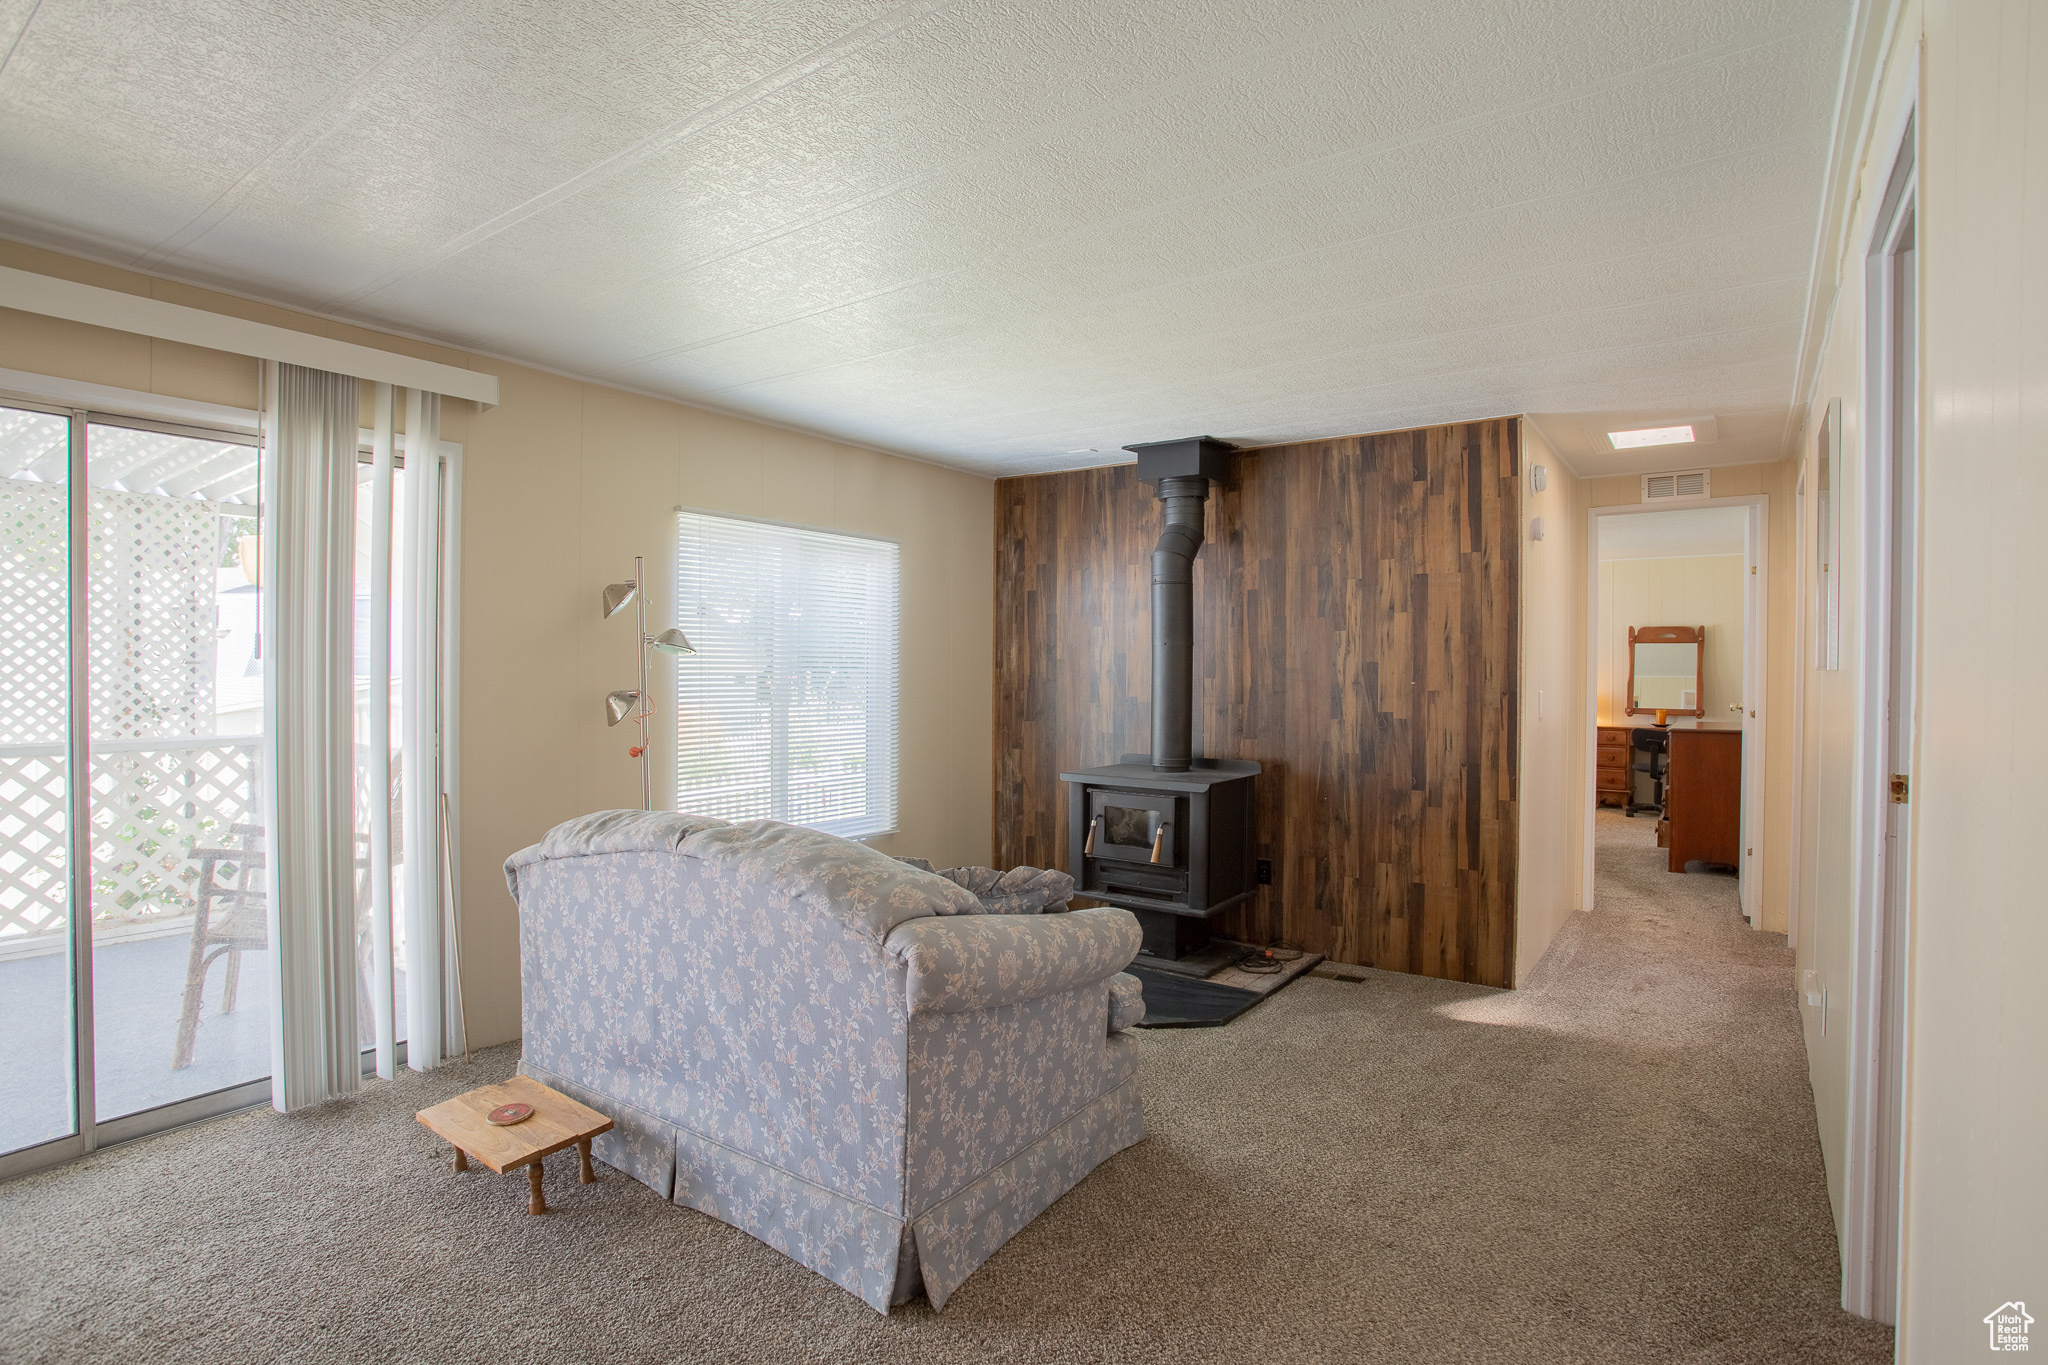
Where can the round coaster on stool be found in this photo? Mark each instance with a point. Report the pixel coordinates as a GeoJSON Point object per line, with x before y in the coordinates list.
{"type": "Point", "coordinates": [505, 1115]}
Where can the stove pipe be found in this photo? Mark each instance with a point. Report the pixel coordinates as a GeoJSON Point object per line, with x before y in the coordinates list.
{"type": "Point", "coordinates": [1182, 470]}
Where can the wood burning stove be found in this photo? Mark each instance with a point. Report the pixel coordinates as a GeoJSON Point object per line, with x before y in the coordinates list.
{"type": "Point", "coordinates": [1168, 835]}
{"type": "Point", "coordinates": [1173, 848]}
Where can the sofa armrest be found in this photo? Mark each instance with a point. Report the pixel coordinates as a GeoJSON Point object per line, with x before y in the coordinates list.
{"type": "Point", "coordinates": [970, 962]}
{"type": "Point", "coordinates": [1126, 1002]}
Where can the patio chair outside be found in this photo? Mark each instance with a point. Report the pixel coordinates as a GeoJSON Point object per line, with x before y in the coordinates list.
{"type": "Point", "coordinates": [241, 922]}
{"type": "Point", "coordinates": [228, 919]}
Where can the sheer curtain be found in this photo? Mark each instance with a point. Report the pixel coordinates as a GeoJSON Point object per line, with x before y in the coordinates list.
{"type": "Point", "coordinates": [433, 990]}
{"type": "Point", "coordinates": [321, 876]}
{"type": "Point", "coordinates": [308, 617]}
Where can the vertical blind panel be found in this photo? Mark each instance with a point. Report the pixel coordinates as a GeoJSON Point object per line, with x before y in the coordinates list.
{"type": "Point", "coordinates": [788, 709]}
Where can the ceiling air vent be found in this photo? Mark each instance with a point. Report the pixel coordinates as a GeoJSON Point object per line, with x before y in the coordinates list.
{"type": "Point", "coordinates": [1685, 484]}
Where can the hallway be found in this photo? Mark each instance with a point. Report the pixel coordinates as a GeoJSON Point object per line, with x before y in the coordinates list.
{"type": "Point", "coordinates": [1693, 1107]}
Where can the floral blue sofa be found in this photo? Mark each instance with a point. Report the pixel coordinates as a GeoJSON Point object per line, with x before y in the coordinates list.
{"type": "Point", "coordinates": [834, 1051]}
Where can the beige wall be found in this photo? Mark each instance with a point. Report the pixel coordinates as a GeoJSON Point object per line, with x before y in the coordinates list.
{"type": "Point", "coordinates": [563, 483]}
{"type": "Point", "coordinates": [1826, 873]}
{"type": "Point", "coordinates": [1552, 786]}
{"type": "Point", "coordinates": [1699, 590]}
{"type": "Point", "coordinates": [1975, 1188]}
{"type": "Point", "coordinates": [1977, 1085]}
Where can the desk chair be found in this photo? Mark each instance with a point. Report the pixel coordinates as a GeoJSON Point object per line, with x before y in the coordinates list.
{"type": "Point", "coordinates": [1650, 755]}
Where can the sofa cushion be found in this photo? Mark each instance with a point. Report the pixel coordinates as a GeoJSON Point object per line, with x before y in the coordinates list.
{"type": "Point", "coordinates": [1019, 891]}
{"type": "Point", "coordinates": [990, 961]}
{"type": "Point", "coordinates": [609, 831]}
{"type": "Point", "coordinates": [866, 890]}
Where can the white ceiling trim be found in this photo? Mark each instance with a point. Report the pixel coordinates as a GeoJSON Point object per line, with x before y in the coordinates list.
{"type": "Point", "coordinates": [110, 308]}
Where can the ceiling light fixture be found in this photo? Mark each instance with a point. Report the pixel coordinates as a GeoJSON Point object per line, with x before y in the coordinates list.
{"type": "Point", "coordinates": [1651, 436]}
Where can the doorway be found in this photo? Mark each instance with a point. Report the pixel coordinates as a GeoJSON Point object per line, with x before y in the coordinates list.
{"type": "Point", "coordinates": [1704, 567]}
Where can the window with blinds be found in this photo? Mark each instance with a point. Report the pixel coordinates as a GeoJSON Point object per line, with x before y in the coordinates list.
{"type": "Point", "coordinates": [788, 708]}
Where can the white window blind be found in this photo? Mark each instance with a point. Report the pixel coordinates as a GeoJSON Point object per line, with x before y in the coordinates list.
{"type": "Point", "coordinates": [788, 709]}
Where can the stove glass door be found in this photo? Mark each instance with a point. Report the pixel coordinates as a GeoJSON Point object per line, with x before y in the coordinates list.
{"type": "Point", "coordinates": [1131, 827]}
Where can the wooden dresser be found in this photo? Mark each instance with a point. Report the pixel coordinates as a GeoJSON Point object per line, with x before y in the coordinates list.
{"type": "Point", "coordinates": [1611, 775]}
{"type": "Point", "coordinates": [1703, 796]}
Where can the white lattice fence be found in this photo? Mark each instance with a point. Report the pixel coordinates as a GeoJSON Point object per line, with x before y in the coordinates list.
{"type": "Point", "coordinates": [153, 613]}
{"type": "Point", "coordinates": [32, 883]}
{"type": "Point", "coordinates": [159, 783]}
{"type": "Point", "coordinates": [152, 803]}
{"type": "Point", "coordinates": [33, 623]}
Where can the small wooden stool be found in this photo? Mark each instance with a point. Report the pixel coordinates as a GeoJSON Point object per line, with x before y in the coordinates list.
{"type": "Point", "coordinates": [557, 1122]}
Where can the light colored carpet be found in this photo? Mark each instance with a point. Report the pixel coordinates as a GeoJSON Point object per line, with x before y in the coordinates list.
{"type": "Point", "coordinates": [1618, 1163]}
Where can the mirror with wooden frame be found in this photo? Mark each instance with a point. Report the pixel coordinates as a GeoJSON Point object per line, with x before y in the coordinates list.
{"type": "Point", "coordinates": [1665, 665]}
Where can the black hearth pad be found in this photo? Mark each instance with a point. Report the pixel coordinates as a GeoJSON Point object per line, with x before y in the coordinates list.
{"type": "Point", "coordinates": [1176, 1001]}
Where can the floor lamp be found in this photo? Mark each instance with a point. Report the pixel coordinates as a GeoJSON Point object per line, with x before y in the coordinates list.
{"type": "Point", "coordinates": [634, 701]}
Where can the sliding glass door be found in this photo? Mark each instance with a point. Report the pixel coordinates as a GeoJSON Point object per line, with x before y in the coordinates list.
{"type": "Point", "coordinates": [135, 974]}
{"type": "Point", "coordinates": [180, 941]}
{"type": "Point", "coordinates": [37, 970]}
{"type": "Point", "coordinates": [133, 930]}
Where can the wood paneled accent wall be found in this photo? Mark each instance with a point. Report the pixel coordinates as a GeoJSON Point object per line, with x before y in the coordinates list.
{"type": "Point", "coordinates": [1355, 631]}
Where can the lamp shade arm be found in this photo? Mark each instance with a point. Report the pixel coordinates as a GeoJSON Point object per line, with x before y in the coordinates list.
{"type": "Point", "coordinates": [638, 703]}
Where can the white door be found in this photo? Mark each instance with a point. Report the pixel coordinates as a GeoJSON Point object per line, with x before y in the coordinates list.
{"type": "Point", "coordinates": [1870, 1242]}
{"type": "Point", "coordinates": [1896, 874]}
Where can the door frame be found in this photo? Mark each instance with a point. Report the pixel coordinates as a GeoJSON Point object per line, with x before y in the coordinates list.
{"type": "Point", "coordinates": [1755, 674]}
{"type": "Point", "coordinates": [1873, 1168]}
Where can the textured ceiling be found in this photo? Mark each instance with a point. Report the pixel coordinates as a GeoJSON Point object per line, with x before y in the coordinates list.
{"type": "Point", "coordinates": [1004, 236]}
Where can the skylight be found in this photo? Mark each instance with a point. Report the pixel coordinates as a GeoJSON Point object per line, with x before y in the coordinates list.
{"type": "Point", "coordinates": [1650, 436]}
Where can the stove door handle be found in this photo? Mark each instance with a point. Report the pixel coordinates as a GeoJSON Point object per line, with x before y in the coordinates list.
{"type": "Point", "coordinates": [1159, 839]}
{"type": "Point", "coordinates": [1088, 844]}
